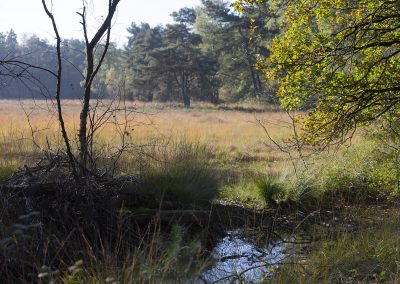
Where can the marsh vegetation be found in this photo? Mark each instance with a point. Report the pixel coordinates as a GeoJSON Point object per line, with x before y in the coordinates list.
{"type": "Point", "coordinates": [171, 161]}
{"type": "Point", "coordinates": [213, 184]}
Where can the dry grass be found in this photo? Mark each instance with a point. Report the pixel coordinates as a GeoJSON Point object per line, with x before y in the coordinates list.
{"type": "Point", "coordinates": [234, 132]}
{"type": "Point", "coordinates": [241, 151]}
{"type": "Point", "coordinates": [239, 147]}
{"type": "Point", "coordinates": [217, 127]}
{"type": "Point", "coordinates": [234, 137]}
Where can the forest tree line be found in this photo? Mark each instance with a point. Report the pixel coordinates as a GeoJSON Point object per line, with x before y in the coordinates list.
{"type": "Point", "coordinates": [209, 53]}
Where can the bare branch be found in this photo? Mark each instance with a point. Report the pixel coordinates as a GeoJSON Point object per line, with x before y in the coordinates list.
{"type": "Point", "coordinates": [58, 93]}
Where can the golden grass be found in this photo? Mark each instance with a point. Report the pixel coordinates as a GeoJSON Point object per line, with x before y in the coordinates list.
{"type": "Point", "coordinates": [215, 127]}
{"type": "Point", "coordinates": [223, 128]}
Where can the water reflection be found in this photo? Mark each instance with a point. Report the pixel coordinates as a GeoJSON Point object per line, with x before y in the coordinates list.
{"type": "Point", "coordinates": [239, 259]}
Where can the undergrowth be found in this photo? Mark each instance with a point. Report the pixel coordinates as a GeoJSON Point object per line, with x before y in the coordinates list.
{"type": "Point", "coordinates": [179, 171]}
{"type": "Point", "coordinates": [32, 251]}
{"type": "Point", "coordinates": [368, 256]}
{"type": "Point", "coordinates": [6, 170]}
{"type": "Point", "coordinates": [365, 173]}
{"type": "Point", "coordinates": [186, 173]}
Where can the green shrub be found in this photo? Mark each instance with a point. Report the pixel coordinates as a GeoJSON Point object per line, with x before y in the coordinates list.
{"type": "Point", "coordinates": [359, 174]}
{"type": "Point", "coordinates": [370, 256]}
{"type": "Point", "coordinates": [270, 190]}
{"type": "Point", "coordinates": [181, 172]}
{"type": "Point", "coordinates": [302, 190]}
{"type": "Point", "coordinates": [243, 191]}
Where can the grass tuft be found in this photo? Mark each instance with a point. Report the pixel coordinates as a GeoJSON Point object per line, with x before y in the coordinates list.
{"type": "Point", "coordinates": [181, 172]}
{"type": "Point", "coordinates": [270, 190]}
{"type": "Point", "coordinates": [6, 170]}
{"type": "Point", "coordinates": [369, 256]}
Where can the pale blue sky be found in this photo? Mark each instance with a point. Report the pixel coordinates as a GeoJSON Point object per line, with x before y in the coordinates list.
{"type": "Point", "coordinates": [27, 16]}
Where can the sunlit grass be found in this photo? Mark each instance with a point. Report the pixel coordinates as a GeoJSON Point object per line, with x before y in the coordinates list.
{"type": "Point", "coordinates": [220, 153]}
{"type": "Point", "coordinates": [367, 255]}
{"type": "Point", "coordinates": [235, 136]}
{"type": "Point", "coordinates": [238, 148]}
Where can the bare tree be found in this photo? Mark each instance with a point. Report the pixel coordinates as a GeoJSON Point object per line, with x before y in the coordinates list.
{"type": "Point", "coordinates": [58, 92]}
{"type": "Point", "coordinates": [79, 165]}
{"type": "Point", "coordinates": [91, 71]}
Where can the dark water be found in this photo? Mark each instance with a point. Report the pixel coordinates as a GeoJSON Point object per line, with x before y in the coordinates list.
{"type": "Point", "coordinates": [238, 258]}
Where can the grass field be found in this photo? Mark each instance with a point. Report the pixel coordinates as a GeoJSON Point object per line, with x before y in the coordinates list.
{"type": "Point", "coordinates": [231, 137]}
{"type": "Point", "coordinates": [221, 128]}
{"type": "Point", "coordinates": [222, 154]}
{"type": "Point", "coordinates": [232, 132]}
{"type": "Point", "coordinates": [194, 155]}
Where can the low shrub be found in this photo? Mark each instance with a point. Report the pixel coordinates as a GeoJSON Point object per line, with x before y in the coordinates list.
{"type": "Point", "coordinates": [159, 257]}
{"type": "Point", "coordinates": [369, 256]}
{"type": "Point", "coordinates": [270, 190]}
{"type": "Point", "coordinates": [358, 175]}
{"type": "Point", "coordinates": [302, 191]}
{"type": "Point", "coordinates": [181, 172]}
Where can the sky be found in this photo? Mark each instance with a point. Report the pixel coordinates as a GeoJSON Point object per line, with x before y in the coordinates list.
{"type": "Point", "coordinates": [28, 16]}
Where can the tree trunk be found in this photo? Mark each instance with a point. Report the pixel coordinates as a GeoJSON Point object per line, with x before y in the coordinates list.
{"type": "Point", "coordinates": [91, 71]}
{"type": "Point", "coordinates": [83, 147]}
{"type": "Point", "coordinates": [255, 80]}
{"type": "Point", "coordinates": [58, 94]}
{"type": "Point", "coordinates": [150, 96]}
{"type": "Point", "coordinates": [185, 95]}
{"type": "Point", "coordinates": [215, 97]}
